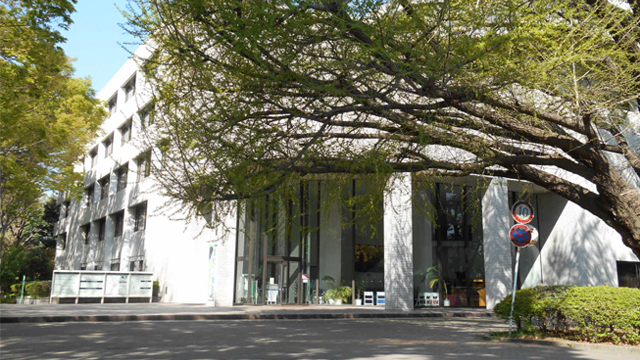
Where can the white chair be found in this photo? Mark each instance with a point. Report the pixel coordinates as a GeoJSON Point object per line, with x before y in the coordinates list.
{"type": "Point", "coordinates": [368, 298]}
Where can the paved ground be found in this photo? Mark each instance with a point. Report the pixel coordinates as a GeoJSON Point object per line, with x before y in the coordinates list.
{"type": "Point", "coordinates": [160, 311]}
{"type": "Point", "coordinates": [403, 339]}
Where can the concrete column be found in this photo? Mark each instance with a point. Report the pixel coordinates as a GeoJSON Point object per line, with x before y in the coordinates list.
{"type": "Point", "coordinates": [225, 262]}
{"type": "Point", "coordinates": [496, 222]}
{"type": "Point", "coordinates": [398, 245]}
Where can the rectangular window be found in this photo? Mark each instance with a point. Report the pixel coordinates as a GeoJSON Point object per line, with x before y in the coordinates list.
{"type": "Point", "coordinates": [102, 229]}
{"type": "Point", "coordinates": [118, 220]}
{"type": "Point", "coordinates": [83, 266]}
{"type": "Point", "coordinates": [94, 157]}
{"type": "Point", "coordinates": [86, 232]}
{"type": "Point", "coordinates": [125, 132]}
{"type": "Point", "coordinates": [130, 89]}
{"type": "Point", "coordinates": [144, 166]}
{"type": "Point", "coordinates": [104, 186]}
{"type": "Point", "coordinates": [64, 208]}
{"type": "Point", "coordinates": [108, 145]}
{"type": "Point", "coordinates": [121, 175]}
{"type": "Point", "coordinates": [136, 265]}
{"type": "Point", "coordinates": [140, 220]}
{"type": "Point", "coordinates": [113, 104]}
{"type": "Point", "coordinates": [98, 266]}
{"type": "Point", "coordinates": [628, 274]}
{"type": "Point", "coordinates": [115, 265]}
{"type": "Point", "coordinates": [89, 193]}
{"type": "Point", "coordinates": [147, 114]}
{"type": "Point", "coordinates": [62, 241]}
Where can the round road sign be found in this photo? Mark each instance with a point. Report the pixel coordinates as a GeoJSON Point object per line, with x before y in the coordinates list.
{"type": "Point", "coordinates": [522, 212]}
{"type": "Point", "coordinates": [520, 235]}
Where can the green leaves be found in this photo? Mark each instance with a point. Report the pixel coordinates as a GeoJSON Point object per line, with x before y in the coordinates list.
{"type": "Point", "coordinates": [47, 116]}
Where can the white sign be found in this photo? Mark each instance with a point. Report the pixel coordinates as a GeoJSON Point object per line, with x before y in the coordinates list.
{"type": "Point", "coordinates": [91, 285]}
{"type": "Point", "coordinates": [116, 285]}
{"type": "Point", "coordinates": [65, 284]}
{"type": "Point", "coordinates": [140, 285]}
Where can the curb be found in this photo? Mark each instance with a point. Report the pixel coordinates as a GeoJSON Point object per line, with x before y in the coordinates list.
{"type": "Point", "coordinates": [569, 344]}
{"type": "Point", "coordinates": [205, 317]}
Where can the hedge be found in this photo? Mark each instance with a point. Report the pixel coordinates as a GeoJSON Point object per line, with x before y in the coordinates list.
{"type": "Point", "coordinates": [593, 314]}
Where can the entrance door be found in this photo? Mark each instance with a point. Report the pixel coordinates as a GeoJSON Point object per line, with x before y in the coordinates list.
{"type": "Point", "coordinates": [283, 279]}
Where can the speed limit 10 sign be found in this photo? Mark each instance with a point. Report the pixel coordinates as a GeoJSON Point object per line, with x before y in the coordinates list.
{"type": "Point", "coordinates": [522, 212]}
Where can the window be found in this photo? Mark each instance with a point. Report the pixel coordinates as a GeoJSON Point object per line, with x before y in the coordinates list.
{"type": "Point", "coordinates": [628, 274]}
{"type": "Point", "coordinates": [94, 157]}
{"type": "Point", "coordinates": [86, 232]}
{"type": "Point", "coordinates": [98, 266]}
{"type": "Point", "coordinates": [121, 175]}
{"type": "Point", "coordinates": [125, 132]}
{"type": "Point", "coordinates": [102, 228]}
{"type": "Point", "coordinates": [115, 265]}
{"type": "Point", "coordinates": [62, 241]}
{"type": "Point", "coordinates": [104, 186]}
{"type": "Point", "coordinates": [136, 265]}
{"type": "Point", "coordinates": [140, 219]}
{"type": "Point", "coordinates": [89, 193]}
{"type": "Point", "coordinates": [147, 114]}
{"type": "Point", "coordinates": [83, 266]}
{"type": "Point", "coordinates": [130, 89]}
{"type": "Point", "coordinates": [64, 208]}
{"type": "Point", "coordinates": [113, 104]}
{"type": "Point", "coordinates": [144, 166]}
{"type": "Point", "coordinates": [108, 145]}
{"type": "Point", "coordinates": [118, 220]}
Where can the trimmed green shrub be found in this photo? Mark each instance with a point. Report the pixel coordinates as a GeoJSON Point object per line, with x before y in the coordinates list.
{"type": "Point", "coordinates": [16, 288]}
{"type": "Point", "coordinates": [38, 289]}
{"type": "Point", "coordinates": [587, 313]}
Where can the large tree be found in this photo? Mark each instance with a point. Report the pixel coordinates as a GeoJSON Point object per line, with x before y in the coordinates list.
{"type": "Point", "coordinates": [253, 94]}
{"type": "Point", "coordinates": [47, 116]}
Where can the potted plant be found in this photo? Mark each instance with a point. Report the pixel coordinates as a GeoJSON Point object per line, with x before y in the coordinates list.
{"type": "Point", "coordinates": [432, 277]}
{"type": "Point", "coordinates": [337, 294]}
{"type": "Point", "coordinates": [362, 286]}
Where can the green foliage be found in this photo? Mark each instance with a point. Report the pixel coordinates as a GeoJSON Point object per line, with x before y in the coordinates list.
{"type": "Point", "coordinates": [587, 313]}
{"type": "Point", "coordinates": [341, 292]}
{"type": "Point", "coordinates": [16, 288]}
{"type": "Point", "coordinates": [38, 289]}
{"type": "Point", "coordinates": [47, 116]}
{"type": "Point", "coordinates": [34, 262]}
{"type": "Point", "coordinates": [279, 92]}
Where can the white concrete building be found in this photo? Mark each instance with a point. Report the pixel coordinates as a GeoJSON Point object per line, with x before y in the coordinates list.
{"type": "Point", "coordinates": [457, 231]}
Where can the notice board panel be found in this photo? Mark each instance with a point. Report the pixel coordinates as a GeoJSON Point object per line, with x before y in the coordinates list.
{"type": "Point", "coordinates": [65, 284]}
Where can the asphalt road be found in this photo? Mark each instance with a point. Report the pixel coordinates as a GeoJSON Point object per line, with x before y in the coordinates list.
{"type": "Point", "coordinates": [406, 339]}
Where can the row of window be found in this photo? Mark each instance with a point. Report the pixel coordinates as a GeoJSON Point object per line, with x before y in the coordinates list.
{"type": "Point", "coordinates": [139, 223]}
{"type": "Point", "coordinates": [129, 89]}
{"type": "Point", "coordinates": [143, 163]}
{"type": "Point", "coordinates": [134, 265]}
{"type": "Point", "coordinates": [125, 130]}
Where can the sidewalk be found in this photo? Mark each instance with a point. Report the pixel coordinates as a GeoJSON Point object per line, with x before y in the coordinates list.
{"type": "Point", "coordinates": [162, 311]}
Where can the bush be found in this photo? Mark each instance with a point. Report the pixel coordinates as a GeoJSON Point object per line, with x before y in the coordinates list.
{"type": "Point", "coordinates": [38, 289]}
{"type": "Point", "coordinates": [587, 313]}
{"type": "Point", "coordinates": [16, 288]}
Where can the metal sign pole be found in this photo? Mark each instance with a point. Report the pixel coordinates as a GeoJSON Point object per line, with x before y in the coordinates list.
{"type": "Point", "coordinates": [515, 285]}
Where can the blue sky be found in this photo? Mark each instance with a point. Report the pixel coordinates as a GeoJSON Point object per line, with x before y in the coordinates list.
{"type": "Point", "coordinates": [94, 38]}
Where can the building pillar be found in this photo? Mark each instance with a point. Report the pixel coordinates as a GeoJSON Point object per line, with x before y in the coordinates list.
{"type": "Point", "coordinates": [398, 245]}
{"type": "Point", "coordinates": [496, 222]}
{"type": "Point", "coordinates": [225, 261]}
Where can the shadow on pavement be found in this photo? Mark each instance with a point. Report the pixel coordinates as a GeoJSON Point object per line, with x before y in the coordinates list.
{"type": "Point", "coordinates": [405, 339]}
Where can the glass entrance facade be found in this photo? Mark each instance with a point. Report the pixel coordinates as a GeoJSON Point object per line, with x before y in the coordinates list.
{"type": "Point", "coordinates": [448, 246]}
{"type": "Point", "coordinates": [293, 248]}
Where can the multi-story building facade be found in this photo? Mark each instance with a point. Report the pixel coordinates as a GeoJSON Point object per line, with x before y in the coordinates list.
{"type": "Point", "coordinates": [456, 231]}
